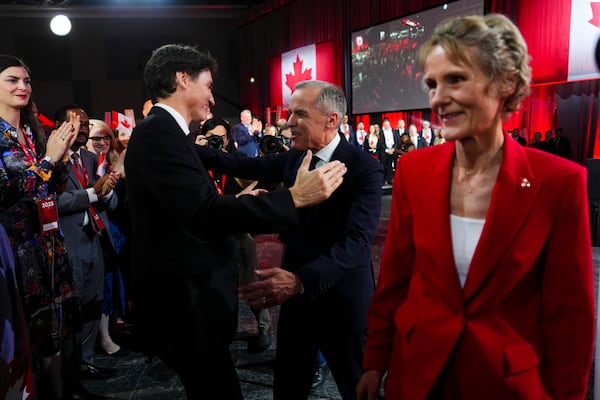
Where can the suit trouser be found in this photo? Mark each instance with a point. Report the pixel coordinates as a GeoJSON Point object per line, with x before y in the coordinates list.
{"type": "Point", "coordinates": [298, 340]}
{"type": "Point", "coordinates": [248, 264]}
{"type": "Point", "coordinates": [206, 375]}
{"type": "Point", "coordinates": [389, 165]}
{"type": "Point", "coordinates": [88, 273]}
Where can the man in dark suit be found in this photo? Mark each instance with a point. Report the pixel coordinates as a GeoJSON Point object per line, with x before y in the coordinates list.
{"type": "Point", "coordinates": [347, 132]}
{"type": "Point", "coordinates": [83, 220]}
{"type": "Point", "coordinates": [244, 135]}
{"type": "Point", "coordinates": [561, 144]}
{"type": "Point", "coordinates": [185, 276]}
{"type": "Point", "coordinates": [390, 142]}
{"type": "Point", "coordinates": [326, 280]}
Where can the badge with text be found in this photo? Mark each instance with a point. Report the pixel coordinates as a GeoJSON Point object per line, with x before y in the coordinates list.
{"type": "Point", "coordinates": [48, 215]}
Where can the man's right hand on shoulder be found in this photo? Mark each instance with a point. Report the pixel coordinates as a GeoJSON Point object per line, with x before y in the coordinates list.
{"type": "Point", "coordinates": [314, 187]}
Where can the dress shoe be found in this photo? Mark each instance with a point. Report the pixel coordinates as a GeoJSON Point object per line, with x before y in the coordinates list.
{"type": "Point", "coordinates": [90, 371]}
{"type": "Point", "coordinates": [320, 376]}
{"type": "Point", "coordinates": [260, 343]}
{"type": "Point", "coordinates": [119, 353]}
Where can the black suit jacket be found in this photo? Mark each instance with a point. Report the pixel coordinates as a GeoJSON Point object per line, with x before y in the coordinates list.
{"type": "Point", "coordinates": [352, 140]}
{"type": "Point", "coordinates": [331, 250]}
{"type": "Point", "coordinates": [185, 281]}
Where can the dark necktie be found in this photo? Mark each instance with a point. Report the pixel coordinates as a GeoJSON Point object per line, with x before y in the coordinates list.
{"type": "Point", "coordinates": [313, 162]}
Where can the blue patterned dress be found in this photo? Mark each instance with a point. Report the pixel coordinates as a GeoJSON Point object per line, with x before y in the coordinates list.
{"type": "Point", "coordinates": [44, 274]}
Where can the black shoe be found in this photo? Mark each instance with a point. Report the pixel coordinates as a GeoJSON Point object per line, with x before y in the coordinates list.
{"type": "Point", "coordinates": [321, 374]}
{"type": "Point", "coordinates": [260, 343]}
{"type": "Point", "coordinates": [90, 371]}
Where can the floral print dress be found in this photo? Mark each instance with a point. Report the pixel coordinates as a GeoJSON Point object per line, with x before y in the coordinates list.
{"type": "Point", "coordinates": [44, 273]}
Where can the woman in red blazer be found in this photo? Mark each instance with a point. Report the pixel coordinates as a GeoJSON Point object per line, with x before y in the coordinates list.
{"type": "Point", "coordinates": [485, 290]}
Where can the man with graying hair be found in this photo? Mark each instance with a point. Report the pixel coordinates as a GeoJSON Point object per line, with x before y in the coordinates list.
{"type": "Point", "coordinates": [326, 279]}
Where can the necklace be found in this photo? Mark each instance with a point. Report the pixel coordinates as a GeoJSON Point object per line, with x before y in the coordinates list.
{"type": "Point", "coordinates": [482, 177]}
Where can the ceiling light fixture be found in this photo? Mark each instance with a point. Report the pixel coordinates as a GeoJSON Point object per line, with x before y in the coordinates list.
{"type": "Point", "coordinates": [60, 25]}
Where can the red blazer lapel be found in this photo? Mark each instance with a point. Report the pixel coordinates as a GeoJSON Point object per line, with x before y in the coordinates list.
{"type": "Point", "coordinates": [513, 198]}
{"type": "Point", "coordinates": [437, 239]}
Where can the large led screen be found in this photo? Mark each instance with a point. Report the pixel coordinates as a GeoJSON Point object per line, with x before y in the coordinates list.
{"type": "Point", "coordinates": [385, 70]}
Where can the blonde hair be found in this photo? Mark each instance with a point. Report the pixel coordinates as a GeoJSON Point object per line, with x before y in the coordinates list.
{"type": "Point", "coordinates": [499, 50]}
{"type": "Point", "coordinates": [97, 125]}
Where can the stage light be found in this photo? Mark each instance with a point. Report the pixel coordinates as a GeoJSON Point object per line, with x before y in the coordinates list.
{"type": "Point", "coordinates": [445, 6]}
{"type": "Point", "coordinates": [252, 80]}
{"type": "Point", "coordinates": [60, 25]}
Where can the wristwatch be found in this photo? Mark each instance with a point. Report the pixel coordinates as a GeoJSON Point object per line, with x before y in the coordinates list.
{"type": "Point", "coordinates": [49, 159]}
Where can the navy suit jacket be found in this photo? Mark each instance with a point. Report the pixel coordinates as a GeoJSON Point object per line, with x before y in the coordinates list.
{"type": "Point", "coordinates": [331, 250]}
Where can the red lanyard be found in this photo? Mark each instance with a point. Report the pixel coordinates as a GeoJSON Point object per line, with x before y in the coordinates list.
{"type": "Point", "coordinates": [30, 154]}
{"type": "Point", "coordinates": [221, 188]}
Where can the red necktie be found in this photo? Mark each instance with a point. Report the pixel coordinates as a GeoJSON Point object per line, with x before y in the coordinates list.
{"type": "Point", "coordinates": [82, 176]}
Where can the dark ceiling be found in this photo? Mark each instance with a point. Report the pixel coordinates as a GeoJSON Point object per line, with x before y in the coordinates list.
{"type": "Point", "coordinates": [129, 3]}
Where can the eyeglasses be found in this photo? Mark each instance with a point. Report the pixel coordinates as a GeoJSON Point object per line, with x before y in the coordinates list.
{"type": "Point", "coordinates": [99, 138]}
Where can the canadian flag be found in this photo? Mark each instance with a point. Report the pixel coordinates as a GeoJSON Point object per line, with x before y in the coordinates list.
{"type": "Point", "coordinates": [101, 169]}
{"type": "Point", "coordinates": [585, 31]}
{"type": "Point", "coordinates": [314, 61]}
{"type": "Point", "coordinates": [561, 39]}
{"type": "Point", "coordinates": [121, 122]}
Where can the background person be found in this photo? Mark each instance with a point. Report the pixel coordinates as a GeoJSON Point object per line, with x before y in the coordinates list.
{"type": "Point", "coordinates": [103, 142]}
{"type": "Point", "coordinates": [478, 298]}
{"type": "Point", "coordinates": [84, 223]}
{"type": "Point", "coordinates": [245, 244]}
{"type": "Point", "coordinates": [32, 170]}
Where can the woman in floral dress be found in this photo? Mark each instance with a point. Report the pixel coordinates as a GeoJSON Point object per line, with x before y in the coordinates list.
{"type": "Point", "coordinates": [32, 171]}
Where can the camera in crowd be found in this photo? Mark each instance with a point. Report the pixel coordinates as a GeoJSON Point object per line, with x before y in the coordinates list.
{"type": "Point", "coordinates": [270, 144]}
{"type": "Point", "coordinates": [215, 141]}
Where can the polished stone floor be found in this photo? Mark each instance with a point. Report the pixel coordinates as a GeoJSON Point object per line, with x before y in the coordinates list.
{"type": "Point", "coordinates": [138, 379]}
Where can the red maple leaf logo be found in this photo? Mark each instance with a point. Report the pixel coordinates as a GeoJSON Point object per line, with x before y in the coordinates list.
{"type": "Point", "coordinates": [298, 75]}
{"type": "Point", "coordinates": [126, 124]}
{"type": "Point", "coordinates": [595, 14]}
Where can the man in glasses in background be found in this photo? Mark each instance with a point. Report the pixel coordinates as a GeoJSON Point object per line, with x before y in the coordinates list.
{"type": "Point", "coordinates": [82, 217]}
